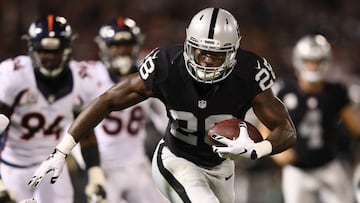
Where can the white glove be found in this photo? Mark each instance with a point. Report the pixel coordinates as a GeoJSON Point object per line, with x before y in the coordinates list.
{"type": "Point", "coordinates": [4, 122]}
{"type": "Point", "coordinates": [95, 189]}
{"type": "Point", "coordinates": [55, 162]}
{"type": "Point", "coordinates": [243, 146]}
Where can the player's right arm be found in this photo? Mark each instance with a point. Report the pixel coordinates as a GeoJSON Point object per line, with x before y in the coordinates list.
{"type": "Point", "coordinates": [129, 91]}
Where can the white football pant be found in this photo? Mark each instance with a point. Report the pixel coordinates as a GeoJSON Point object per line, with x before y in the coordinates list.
{"type": "Point", "coordinates": [330, 183]}
{"type": "Point", "coordinates": [182, 181]}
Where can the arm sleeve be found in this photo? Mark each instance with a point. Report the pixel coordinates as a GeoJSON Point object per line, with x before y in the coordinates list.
{"type": "Point", "coordinates": [154, 69]}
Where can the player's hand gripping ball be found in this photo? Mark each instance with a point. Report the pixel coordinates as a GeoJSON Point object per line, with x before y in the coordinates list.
{"type": "Point", "coordinates": [230, 129]}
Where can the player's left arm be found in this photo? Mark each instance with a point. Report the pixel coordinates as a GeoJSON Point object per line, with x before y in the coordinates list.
{"type": "Point", "coordinates": [274, 115]}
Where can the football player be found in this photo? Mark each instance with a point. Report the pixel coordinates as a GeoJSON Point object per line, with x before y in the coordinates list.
{"type": "Point", "coordinates": [40, 92]}
{"type": "Point", "coordinates": [121, 135]}
{"type": "Point", "coordinates": [311, 170]}
{"type": "Point", "coordinates": [205, 80]}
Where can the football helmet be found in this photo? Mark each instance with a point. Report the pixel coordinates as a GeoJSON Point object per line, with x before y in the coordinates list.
{"type": "Point", "coordinates": [50, 34]}
{"type": "Point", "coordinates": [312, 47]}
{"type": "Point", "coordinates": [120, 31]}
{"type": "Point", "coordinates": [211, 30]}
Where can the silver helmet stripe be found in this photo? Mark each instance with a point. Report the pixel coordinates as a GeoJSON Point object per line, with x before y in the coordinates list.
{"type": "Point", "coordinates": [212, 30]}
{"type": "Point", "coordinates": [212, 23]}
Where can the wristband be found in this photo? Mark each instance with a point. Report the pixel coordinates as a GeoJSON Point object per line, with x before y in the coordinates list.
{"type": "Point", "coordinates": [66, 144]}
{"type": "Point", "coordinates": [263, 148]}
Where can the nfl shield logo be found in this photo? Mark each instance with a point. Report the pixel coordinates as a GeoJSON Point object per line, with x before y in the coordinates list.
{"type": "Point", "coordinates": [202, 104]}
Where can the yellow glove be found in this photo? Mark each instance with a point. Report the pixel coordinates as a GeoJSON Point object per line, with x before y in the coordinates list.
{"type": "Point", "coordinates": [95, 189]}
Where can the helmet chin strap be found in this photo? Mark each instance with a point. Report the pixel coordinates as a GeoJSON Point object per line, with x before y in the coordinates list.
{"type": "Point", "coordinates": [48, 73]}
{"type": "Point", "coordinates": [55, 72]}
{"type": "Point", "coordinates": [123, 64]}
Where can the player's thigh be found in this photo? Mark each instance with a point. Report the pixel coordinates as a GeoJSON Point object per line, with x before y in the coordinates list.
{"type": "Point", "coordinates": [221, 178]}
{"type": "Point", "coordinates": [178, 179]}
{"type": "Point", "coordinates": [60, 192]}
{"type": "Point", "coordinates": [16, 179]}
{"type": "Point", "coordinates": [297, 186]}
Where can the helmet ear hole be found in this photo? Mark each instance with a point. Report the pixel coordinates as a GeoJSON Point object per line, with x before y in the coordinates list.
{"type": "Point", "coordinates": [213, 30]}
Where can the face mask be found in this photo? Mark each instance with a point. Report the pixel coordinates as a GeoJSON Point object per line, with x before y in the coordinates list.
{"type": "Point", "coordinates": [311, 76]}
{"type": "Point", "coordinates": [122, 63]}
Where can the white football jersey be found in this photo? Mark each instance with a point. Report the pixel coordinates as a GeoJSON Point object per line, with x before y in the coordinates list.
{"type": "Point", "coordinates": [38, 123]}
{"type": "Point", "coordinates": [121, 137]}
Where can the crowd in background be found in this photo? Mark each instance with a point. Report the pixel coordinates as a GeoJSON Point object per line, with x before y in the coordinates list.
{"type": "Point", "coordinates": [269, 28]}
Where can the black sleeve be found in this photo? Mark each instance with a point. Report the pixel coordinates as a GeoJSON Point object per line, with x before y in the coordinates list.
{"type": "Point", "coordinates": [154, 69]}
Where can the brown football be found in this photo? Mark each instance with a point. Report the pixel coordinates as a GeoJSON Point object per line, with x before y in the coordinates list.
{"type": "Point", "coordinates": [230, 129]}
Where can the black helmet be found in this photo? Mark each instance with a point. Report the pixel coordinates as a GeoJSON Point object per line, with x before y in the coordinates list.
{"type": "Point", "coordinates": [50, 33]}
{"type": "Point", "coordinates": [120, 31]}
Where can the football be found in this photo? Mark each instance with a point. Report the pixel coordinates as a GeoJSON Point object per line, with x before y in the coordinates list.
{"type": "Point", "coordinates": [230, 129]}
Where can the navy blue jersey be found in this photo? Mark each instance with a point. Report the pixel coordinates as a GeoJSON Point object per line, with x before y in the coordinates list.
{"type": "Point", "coordinates": [193, 107]}
{"type": "Point", "coordinates": [316, 117]}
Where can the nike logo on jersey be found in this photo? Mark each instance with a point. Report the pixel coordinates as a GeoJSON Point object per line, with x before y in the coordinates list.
{"type": "Point", "coordinates": [243, 152]}
{"type": "Point", "coordinates": [227, 178]}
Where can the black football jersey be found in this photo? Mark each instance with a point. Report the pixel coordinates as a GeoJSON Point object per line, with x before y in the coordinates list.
{"type": "Point", "coordinates": [316, 117]}
{"type": "Point", "coordinates": [193, 107]}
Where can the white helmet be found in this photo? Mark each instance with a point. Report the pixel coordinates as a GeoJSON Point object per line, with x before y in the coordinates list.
{"type": "Point", "coordinates": [312, 47]}
{"type": "Point", "coordinates": [214, 30]}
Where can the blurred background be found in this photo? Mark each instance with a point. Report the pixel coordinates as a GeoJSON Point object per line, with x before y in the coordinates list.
{"type": "Point", "coordinates": [268, 27]}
